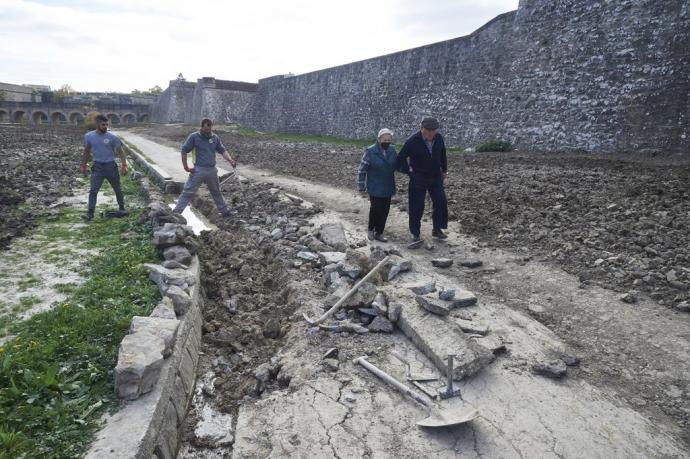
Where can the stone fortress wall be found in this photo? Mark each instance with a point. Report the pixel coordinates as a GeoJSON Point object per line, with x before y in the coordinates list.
{"type": "Point", "coordinates": [557, 75]}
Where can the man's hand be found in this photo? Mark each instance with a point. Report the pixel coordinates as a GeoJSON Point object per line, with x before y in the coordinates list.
{"type": "Point", "coordinates": [232, 162]}
{"type": "Point", "coordinates": [84, 168]}
{"type": "Point", "coordinates": [189, 169]}
{"type": "Point", "coordinates": [445, 176]}
{"type": "Point", "coordinates": [124, 168]}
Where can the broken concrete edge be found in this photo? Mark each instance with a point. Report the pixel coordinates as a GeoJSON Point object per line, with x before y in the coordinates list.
{"type": "Point", "coordinates": [155, 173]}
{"type": "Point", "coordinates": [150, 425]}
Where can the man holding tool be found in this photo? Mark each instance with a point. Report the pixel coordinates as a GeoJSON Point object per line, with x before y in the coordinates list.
{"type": "Point", "coordinates": [205, 145]}
{"type": "Point", "coordinates": [103, 145]}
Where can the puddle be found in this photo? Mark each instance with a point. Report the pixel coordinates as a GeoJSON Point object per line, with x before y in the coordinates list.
{"type": "Point", "coordinates": [196, 220]}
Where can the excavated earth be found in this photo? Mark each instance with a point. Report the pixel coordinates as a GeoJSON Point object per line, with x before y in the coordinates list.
{"type": "Point", "coordinates": [39, 166]}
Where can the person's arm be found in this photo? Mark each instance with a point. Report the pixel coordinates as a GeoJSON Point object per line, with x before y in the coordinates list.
{"type": "Point", "coordinates": [403, 165]}
{"type": "Point", "coordinates": [444, 160]}
{"type": "Point", "coordinates": [362, 172]}
{"type": "Point", "coordinates": [86, 156]}
{"type": "Point", "coordinates": [220, 148]}
{"type": "Point", "coordinates": [123, 160]}
{"type": "Point", "coordinates": [186, 148]}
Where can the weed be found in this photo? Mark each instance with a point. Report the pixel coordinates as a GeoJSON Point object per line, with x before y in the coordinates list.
{"type": "Point", "coordinates": [28, 301]}
{"type": "Point", "coordinates": [495, 145]}
{"type": "Point", "coordinates": [28, 280]}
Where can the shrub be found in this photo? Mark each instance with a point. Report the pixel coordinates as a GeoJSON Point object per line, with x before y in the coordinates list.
{"type": "Point", "coordinates": [495, 145]}
{"type": "Point", "coordinates": [90, 121]}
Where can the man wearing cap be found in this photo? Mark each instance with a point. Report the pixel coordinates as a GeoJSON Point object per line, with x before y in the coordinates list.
{"type": "Point", "coordinates": [205, 145]}
{"type": "Point", "coordinates": [423, 158]}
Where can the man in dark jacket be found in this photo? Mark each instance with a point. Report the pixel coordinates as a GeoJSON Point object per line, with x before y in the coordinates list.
{"type": "Point", "coordinates": [427, 168]}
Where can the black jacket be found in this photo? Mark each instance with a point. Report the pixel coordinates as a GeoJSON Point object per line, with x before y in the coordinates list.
{"type": "Point", "coordinates": [420, 161]}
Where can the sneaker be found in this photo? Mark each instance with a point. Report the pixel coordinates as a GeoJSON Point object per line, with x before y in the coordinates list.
{"type": "Point", "coordinates": [371, 234]}
{"type": "Point", "coordinates": [228, 213]}
{"type": "Point", "coordinates": [380, 237]}
{"type": "Point", "coordinates": [415, 242]}
{"type": "Point", "coordinates": [438, 234]}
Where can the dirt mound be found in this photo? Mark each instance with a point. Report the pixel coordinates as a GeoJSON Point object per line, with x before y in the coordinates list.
{"type": "Point", "coordinates": [40, 165]}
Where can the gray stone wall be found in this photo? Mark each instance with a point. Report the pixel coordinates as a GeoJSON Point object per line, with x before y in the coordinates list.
{"type": "Point", "coordinates": [174, 103]}
{"type": "Point", "coordinates": [220, 100]}
{"type": "Point", "coordinates": [557, 75]}
{"type": "Point", "coordinates": [17, 93]}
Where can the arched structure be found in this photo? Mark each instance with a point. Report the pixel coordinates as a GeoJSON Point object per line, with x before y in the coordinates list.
{"type": "Point", "coordinates": [58, 118]}
{"type": "Point", "coordinates": [129, 118]}
{"type": "Point", "coordinates": [39, 117]}
{"type": "Point", "coordinates": [76, 118]}
{"type": "Point", "coordinates": [114, 118]}
{"type": "Point", "coordinates": [4, 116]}
{"type": "Point", "coordinates": [19, 116]}
{"type": "Point", "coordinates": [144, 119]}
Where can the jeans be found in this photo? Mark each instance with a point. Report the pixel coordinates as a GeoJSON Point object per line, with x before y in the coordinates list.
{"type": "Point", "coordinates": [100, 172]}
{"type": "Point", "coordinates": [207, 175]}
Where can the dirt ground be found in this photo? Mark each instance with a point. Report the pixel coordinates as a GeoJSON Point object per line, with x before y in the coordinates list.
{"type": "Point", "coordinates": [39, 166]}
{"type": "Point", "coordinates": [561, 237]}
{"type": "Point", "coordinates": [615, 226]}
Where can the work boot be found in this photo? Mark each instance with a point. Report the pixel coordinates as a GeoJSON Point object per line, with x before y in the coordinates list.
{"type": "Point", "coordinates": [380, 237]}
{"type": "Point", "coordinates": [438, 234]}
{"type": "Point", "coordinates": [370, 235]}
{"type": "Point", "coordinates": [415, 242]}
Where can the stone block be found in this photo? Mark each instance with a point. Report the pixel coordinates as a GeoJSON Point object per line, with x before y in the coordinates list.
{"type": "Point", "coordinates": [333, 235]}
{"type": "Point", "coordinates": [139, 363]}
{"type": "Point", "coordinates": [166, 329]}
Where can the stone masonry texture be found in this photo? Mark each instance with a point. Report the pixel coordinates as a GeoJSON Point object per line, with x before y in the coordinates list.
{"type": "Point", "coordinates": [558, 75]}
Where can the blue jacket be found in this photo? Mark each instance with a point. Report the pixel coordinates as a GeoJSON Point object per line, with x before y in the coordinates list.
{"type": "Point", "coordinates": [421, 162]}
{"type": "Point", "coordinates": [378, 166]}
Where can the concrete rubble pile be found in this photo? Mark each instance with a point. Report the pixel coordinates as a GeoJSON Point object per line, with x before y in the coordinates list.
{"type": "Point", "coordinates": [151, 339]}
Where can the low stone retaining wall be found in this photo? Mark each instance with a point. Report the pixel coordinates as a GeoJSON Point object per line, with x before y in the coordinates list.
{"type": "Point", "coordinates": [150, 425]}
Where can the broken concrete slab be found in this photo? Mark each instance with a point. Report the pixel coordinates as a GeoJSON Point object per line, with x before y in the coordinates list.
{"type": "Point", "coordinates": [421, 288]}
{"type": "Point", "coordinates": [434, 305]}
{"type": "Point", "coordinates": [180, 299]}
{"type": "Point", "coordinates": [463, 298]}
{"type": "Point", "coordinates": [493, 343]}
{"type": "Point", "coordinates": [166, 329]}
{"type": "Point", "coordinates": [333, 235]}
{"type": "Point", "coordinates": [472, 327]}
{"type": "Point", "coordinates": [471, 263]}
{"type": "Point", "coordinates": [437, 337]}
{"type": "Point", "coordinates": [446, 294]}
{"type": "Point", "coordinates": [380, 325]}
{"type": "Point", "coordinates": [214, 429]}
{"type": "Point", "coordinates": [165, 277]}
{"type": "Point", "coordinates": [139, 363]}
{"type": "Point", "coordinates": [165, 309]}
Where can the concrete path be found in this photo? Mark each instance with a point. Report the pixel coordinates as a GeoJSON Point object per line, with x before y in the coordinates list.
{"type": "Point", "coordinates": [350, 414]}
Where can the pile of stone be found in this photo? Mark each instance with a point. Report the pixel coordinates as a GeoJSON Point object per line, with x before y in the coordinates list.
{"type": "Point", "coordinates": [151, 339]}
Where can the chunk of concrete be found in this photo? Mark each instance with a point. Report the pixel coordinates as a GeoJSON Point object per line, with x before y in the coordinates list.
{"type": "Point", "coordinates": [171, 234]}
{"type": "Point", "coordinates": [178, 253]}
{"type": "Point", "coordinates": [468, 326]}
{"type": "Point", "coordinates": [421, 288]}
{"type": "Point", "coordinates": [434, 305]}
{"type": "Point", "coordinates": [463, 298]}
{"type": "Point", "coordinates": [165, 309]}
{"type": "Point", "coordinates": [180, 299]}
{"type": "Point", "coordinates": [328, 258]}
{"type": "Point", "coordinates": [139, 363]}
{"type": "Point", "coordinates": [166, 329]}
{"type": "Point", "coordinates": [380, 325]}
{"type": "Point", "coordinates": [165, 277]}
{"type": "Point", "coordinates": [442, 262]}
{"type": "Point", "coordinates": [437, 337]}
{"type": "Point", "coordinates": [333, 235]}
{"type": "Point", "coordinates": [554, 369]}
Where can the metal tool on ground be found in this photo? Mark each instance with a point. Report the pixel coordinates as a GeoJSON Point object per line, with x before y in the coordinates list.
{"type": "Point", "coordinates": [436, 418]}
{"type": "Point", "coordinates": [225, 177]}
{"type": "Point", "coordinates": [350, 292]}
{"type": "Point", "coordinates": [451, 390]}
{"type": "Point", "coordinates": [410, 376]}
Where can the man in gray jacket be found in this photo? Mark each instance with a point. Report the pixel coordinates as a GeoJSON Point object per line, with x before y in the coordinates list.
{"type": "Point", "coordinates": [205, 145]}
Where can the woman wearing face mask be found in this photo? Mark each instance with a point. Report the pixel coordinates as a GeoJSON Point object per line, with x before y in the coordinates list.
{"type": "Point", "coordinates": [375, 178]}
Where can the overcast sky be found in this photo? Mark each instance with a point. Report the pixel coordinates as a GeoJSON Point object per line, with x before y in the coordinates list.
{"type": "Point", "coordinates": [121, 45]}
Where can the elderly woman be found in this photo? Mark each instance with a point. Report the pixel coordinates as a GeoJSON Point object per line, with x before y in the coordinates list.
{"type": "Point", "coordinates": [375, 178]}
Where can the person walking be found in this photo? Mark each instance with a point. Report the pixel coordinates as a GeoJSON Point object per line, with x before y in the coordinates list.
{"type": "Point", "coordinates": [205, 145]}
{"type": "Point", "coordinates": [103, 145]}
{"type": "Point", "coordinates": [375, 177]}
{"type": "Point", "coordinates": [427, 168]}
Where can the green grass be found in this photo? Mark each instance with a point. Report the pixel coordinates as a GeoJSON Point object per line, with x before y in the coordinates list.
{"type": "Point", "coordinates": [28, 301]}
{"type": "Point", "coordinates": [302, 137]}
{"type": "Point", "coordinates": [495, 146]}
{"type": "Point", "coordinates": [28, 280]}
{"type": "Point", "coordinates": [56, 373]}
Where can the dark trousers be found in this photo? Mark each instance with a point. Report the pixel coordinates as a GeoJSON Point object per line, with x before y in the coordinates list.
{"type": "Point", "coordinates": [378, 213]}
{"type": "Point", "coordinates": [100, 172]}
{"type": "Point", "coordinates": [419, 185]}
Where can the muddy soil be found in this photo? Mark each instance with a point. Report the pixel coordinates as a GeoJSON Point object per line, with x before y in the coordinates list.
{"type": "Point", "coordinates": [622, 224]}
{"type": "Point", "coordinates": [38, 166]}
